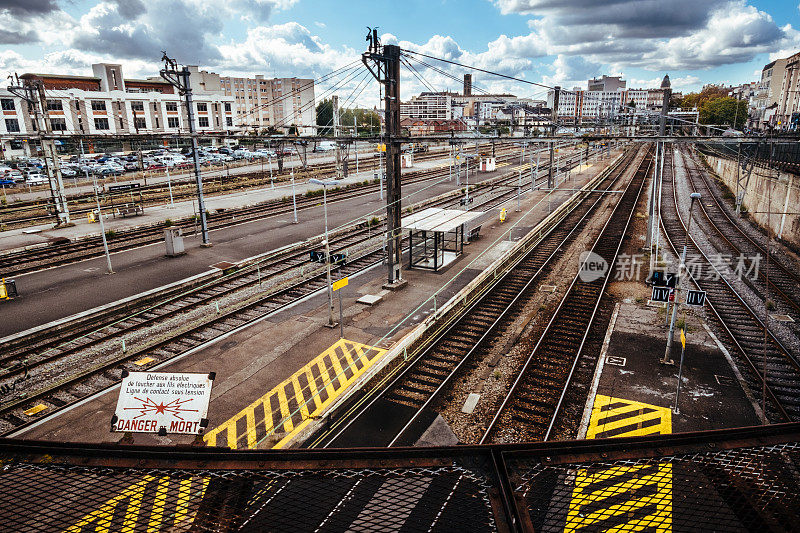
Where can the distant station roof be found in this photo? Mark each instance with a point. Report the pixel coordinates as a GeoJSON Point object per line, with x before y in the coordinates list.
{"type": "Point", "coordinates": [438, 219]}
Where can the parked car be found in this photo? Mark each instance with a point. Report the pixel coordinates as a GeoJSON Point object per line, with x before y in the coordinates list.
{"type": "Point", "coordinates": [35, 178]}
{"type": "Point", "coordinates": [68, 172]}
{"type": "Point", "coordinates": [7, 182]}
{"type": "Point", "coordinates": [325, 146]}
{"type": "Point", "coordinates": [131, 165]}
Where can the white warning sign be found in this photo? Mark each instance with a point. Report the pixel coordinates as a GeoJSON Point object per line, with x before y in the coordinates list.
{"type": "Point", "coordinates": [150, 401]}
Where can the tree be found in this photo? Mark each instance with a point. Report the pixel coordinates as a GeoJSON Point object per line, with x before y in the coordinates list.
{"type": "Point", "coordinates": [709, 92]}
{"type": "Point", "coordinates": [367, 121]}
{"type": "Point", "coordinates": [726, 110]}
{"type": "Point", "coordinates": [325, 117]}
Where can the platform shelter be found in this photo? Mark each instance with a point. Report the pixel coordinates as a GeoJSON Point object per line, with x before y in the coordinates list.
{"type": "Point", "coordinates": [436, 236]}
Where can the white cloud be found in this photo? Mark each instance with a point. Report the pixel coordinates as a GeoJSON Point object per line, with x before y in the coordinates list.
{"type": "Point", "coordinates": [650, 34]}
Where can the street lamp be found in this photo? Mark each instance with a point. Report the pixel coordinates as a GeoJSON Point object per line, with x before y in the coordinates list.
{"type": "Point", "coordinates": [667, 361]}
{"type": "Point", "coordinates": [325, 184]}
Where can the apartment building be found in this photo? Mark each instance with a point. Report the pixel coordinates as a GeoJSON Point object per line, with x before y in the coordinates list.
{"type": "Point", "coordinates": [109, 104]}
{"type": "Point", "coordinates": [429, 106]}
{"type": "Point", "coordinates": [272, 103]}
{"type": "Point", "coordinates": [605, 98]}
{"type": "Point", "coordinates": [787, 110]}
{"type": "Point", "coordinates": [607, 83]}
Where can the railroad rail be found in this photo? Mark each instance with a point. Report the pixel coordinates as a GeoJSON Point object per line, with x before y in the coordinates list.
{"type": "Point", "coordinates": [61, 253]}
{"type": "Point", "coordinates": [38, 362]}
{"type": "Point", "coordinates": [772, 373]}
{"type": "Point", "coordinates": [534, 400]}
{"type": "Point", "coordinates": [782, 282]}
{"type": "Point", "coordinates": [429, 372]}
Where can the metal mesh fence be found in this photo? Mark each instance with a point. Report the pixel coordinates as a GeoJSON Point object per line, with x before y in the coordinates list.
{"type": "Point", "coordinates": [734, 480]}
{"type": "Point", "coordinates": [779, 154]}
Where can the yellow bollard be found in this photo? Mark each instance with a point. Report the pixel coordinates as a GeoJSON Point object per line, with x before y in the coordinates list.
{"type": "Point", "coordinates": [503, 215]}
{"type": "Point", "coordinates": [4, 291]}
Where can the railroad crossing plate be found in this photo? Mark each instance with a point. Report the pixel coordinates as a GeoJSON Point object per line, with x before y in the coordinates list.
{"type": "Point", "coordinates": [153, 402]}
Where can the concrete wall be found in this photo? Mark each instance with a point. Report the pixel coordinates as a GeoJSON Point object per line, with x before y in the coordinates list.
{"type": "Point", "coordinates": [783, 191]}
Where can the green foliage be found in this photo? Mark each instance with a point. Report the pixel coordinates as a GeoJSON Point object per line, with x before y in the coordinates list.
{"type": "Point", "coordinates": [725, 111]}
{"type": "Point", "coordinates": [110, 234]}
{"type": "Point", "coordinates": [367, 121]}
{"type": "Point", "coordinates": [709, 92]}
{"type": "Point", "coordinates": [167, 223]}
{"type": "Point", "coordinates": [325, 117]}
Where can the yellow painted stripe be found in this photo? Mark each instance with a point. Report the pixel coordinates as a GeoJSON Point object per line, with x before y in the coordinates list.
{"type": "Point", "coordinates": [101, 517]}
{"type": "Point", "coordinates": [598, 425]}
{"type": "Point", "coordinates": [36, 409]}
{"type": "Point", "coordinates": [631, 477]}
{"type": "Point", "coordinates": [143, 361]}
{"type": "Point", "coordinates": [160, 500]}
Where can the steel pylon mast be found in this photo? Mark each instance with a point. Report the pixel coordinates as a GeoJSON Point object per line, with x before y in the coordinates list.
{"type": "Point", "coordinates": [179, 78]}
{"type": "Point", "coordinates": [383, 61]}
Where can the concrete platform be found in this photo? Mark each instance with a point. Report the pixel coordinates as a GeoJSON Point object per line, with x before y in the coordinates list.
{"type": "Point", "coordinates": [634, 394]}
{"type": "Point", "coordinates": [55, 293]}
{"type": "Point", "coordinates": [290, 359]}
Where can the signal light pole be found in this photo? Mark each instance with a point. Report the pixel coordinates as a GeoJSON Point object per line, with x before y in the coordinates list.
{"type": "Point", "coordinates": [667, 359]}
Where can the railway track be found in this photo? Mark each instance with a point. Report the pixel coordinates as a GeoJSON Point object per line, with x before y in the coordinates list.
{"type": "Point", "coordinates": [784, 285]}
{"type": "Point", "coordinates": [532, 404]}
{"type": "Point", "coordinates": [61, 253]}
{"type": "Point", "coordinates": [771, 372]}
{"type": "Point", "coordinates": [417, 385]}
{"type": "Point", "coordinates": [216, 180]}
{"type": "Point", "coordinates": [39, 364]}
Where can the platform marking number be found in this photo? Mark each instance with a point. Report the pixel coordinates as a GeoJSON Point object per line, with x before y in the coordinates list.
{"type": "Point", "coordinates": [623, 497]}
{"type": "Point", "coordinates": [155, 502]}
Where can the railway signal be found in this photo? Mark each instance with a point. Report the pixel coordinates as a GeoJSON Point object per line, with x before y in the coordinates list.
{"type": "Point", "coordinates": [696, 298]}
{"type": "Point", "coordinates": [660, 294]}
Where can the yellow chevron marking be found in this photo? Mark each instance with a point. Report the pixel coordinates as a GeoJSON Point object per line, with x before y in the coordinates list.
{"type": "Point", "coordinates": [623, 497]}
{"type": "Point", "coordinates": [311, 405]}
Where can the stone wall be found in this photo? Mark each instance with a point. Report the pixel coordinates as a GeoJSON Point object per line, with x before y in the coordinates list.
{"type": "Point", "coordinates": [784, 193]}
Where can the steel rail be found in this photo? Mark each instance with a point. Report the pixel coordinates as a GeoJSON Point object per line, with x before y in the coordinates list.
{"type": "Point", "coordinates": [644, 165]}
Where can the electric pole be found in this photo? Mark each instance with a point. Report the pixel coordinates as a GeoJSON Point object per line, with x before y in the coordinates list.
{"type": "Point", "coordinates": [383, 62]}
{"type": "Point", "coordinates": [335, 108]}
{"type": "Point", "coordinates": [32, 92]}
{"type": "Point", "coordinates": [180, 80]}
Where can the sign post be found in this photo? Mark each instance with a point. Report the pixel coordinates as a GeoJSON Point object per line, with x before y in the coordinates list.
{"type": "Point", "coordinates": [680, 368]}
{"type": "Point", "coordinates": [163, 402]}
{"type": "Point", "coordinates": [336, 286]}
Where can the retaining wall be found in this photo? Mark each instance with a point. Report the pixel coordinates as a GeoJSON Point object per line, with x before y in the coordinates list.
{"type": "Point", "coordinates": [782, 189]}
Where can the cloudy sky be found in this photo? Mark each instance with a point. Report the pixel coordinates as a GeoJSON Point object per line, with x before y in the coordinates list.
{"type": "Point", "coordinates": [546, 41]}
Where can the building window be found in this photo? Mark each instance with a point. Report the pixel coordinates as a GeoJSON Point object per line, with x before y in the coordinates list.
{"type": "Point", "coordinates": [12, 125]}
{"type": "Point", "coordinates": [157, 123]}
{"type": "Point", "coordinates": [137, 106]}
{"type": "Point", "coordinates": [172, 122]}
{"type": "Point", "coordinates": [100, 123]}
{"type": "Point", "coordinates": [228, 121]}
{"type": "Point", "coordinates": [7, 104]}
{"type": "Point", "coordinates": [203, 122]}
{"type": "Point", "coordinates": [172, 106]}
{"type": "Point", "coordinates": [202, 106]}
{"type": "Point", "coordinates": [54, 105]}
{"type": "Point", "coordinates": [58, 124]}
{"type": "Point", "coordinates": [228, 107]}
{"type": "Point", "coordinates": [140, 123]}
{"type": "Point", "coordinates": [98, 105]}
